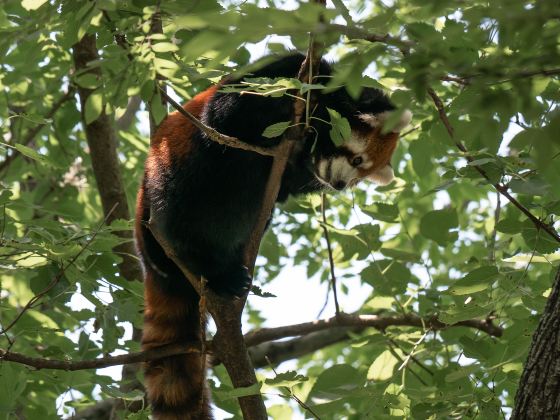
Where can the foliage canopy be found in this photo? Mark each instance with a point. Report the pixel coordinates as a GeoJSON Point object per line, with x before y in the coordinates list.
{"type": "Point", "coordinates": [439, 241]}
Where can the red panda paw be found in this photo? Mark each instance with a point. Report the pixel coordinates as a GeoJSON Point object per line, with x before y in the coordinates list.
{"type": "Point", "coordinates": [235, 282]}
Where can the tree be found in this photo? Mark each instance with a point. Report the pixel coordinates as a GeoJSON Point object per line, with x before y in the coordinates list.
{"type": "Point", "coordinates": [454, 260]}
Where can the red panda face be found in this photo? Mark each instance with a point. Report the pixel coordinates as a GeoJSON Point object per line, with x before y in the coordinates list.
{"type": "Point", "coordinates": [366, 155]}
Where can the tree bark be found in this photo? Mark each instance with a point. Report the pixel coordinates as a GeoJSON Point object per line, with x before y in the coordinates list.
{"type": "Point", "coordinates": [538, 396]}
{"type": "Point", "coordinates": [102, 143]}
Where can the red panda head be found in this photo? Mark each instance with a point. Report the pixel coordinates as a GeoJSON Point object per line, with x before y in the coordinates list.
{"type": "Point", "coordinates": [366, 155]}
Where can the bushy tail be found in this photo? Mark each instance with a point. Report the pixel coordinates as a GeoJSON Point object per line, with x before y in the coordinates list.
{"type": "Point", "coordinates": [175, 386]}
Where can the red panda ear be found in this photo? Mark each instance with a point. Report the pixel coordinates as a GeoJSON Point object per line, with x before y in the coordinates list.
{"type": "Point", "coordinates": [378, 120]}
{"type": "Point", "coordinates": [382, 176]}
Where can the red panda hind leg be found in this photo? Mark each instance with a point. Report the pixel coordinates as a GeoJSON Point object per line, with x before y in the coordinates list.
{"type": "Point", "coordinates": [175, 386]}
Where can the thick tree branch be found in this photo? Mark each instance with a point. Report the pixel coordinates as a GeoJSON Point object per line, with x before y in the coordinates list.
{"type": "Point", "coordinates": [276, 352]}
{"type": "Point", "coordinates": [102, 141]}
{"type": "Point", "coordinates": [312, 336]}
{"type": "Point", "coordinates": [380, 322]}
{"type": "Point", "coordinates": [228, 344]}
{"type": "Point", "coordinates": [295, 133]}
{"type": "Point", "coordinates": [103, 362]}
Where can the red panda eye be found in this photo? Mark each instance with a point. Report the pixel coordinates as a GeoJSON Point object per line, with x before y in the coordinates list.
{"type": "Point", "coordinates": [357, 161]}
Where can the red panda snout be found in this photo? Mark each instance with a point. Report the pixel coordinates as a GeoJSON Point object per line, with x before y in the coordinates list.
{"type": "Point", "coordinates": [366, 155]}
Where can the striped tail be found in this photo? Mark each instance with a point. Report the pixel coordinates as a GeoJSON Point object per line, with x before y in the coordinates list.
{"type": "Point", "coordinates": [175, 386]}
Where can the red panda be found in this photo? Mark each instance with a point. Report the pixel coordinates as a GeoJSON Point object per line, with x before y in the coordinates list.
{"type": "Point", "coordinates": [204, 199]}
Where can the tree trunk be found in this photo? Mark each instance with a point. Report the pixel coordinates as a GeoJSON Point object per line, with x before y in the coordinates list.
{"type": "Point", "coordinates": [102, 142]}
{"type": "Point", "coordinates": [538, 396]}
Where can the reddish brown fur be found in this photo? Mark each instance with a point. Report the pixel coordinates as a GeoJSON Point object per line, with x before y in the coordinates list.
{"type": "Point", "coordinates": [171, 138]}
{"type": "Point", "coordinates": [380, 148]}
{"type": "Point", "coordinates": [175, 386]}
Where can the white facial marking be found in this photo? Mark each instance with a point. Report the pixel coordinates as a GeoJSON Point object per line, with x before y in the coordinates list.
{"type": "Point", "coordinates": [366, 164]}
{"type": "Point", "coordinates": [383, 176]}
{"type": "Point", "coordinates": [341, 170]}
{"type": "Point", "coordinates": [377, 120]}
{"type": "Point", "coordinates": [323, 168]}
{"type": "Point", "coordinates": [373, 120]}
{"type": "Point", "coordinates": [405, 119]}
{"type": "Point", "coordinates": [356, 145]}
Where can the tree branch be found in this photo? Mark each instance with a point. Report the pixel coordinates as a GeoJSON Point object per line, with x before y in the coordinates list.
{"type": "Point", "coordinates": [276, 352]}
{"type": "Point", "coordinates": [215, 135]}
{"type": "Point", "coordinates": [103, 362]}
{"type": "Point", "coordinates": [228, 343]}
{"type": "Point", "coordinates": [329, 250]}
{"type": "Point", "coordinates": [502, 189]}
{"type": "Point", "coordinates": [102, 141]}
{"type": "Point", "coordinates": [312, 336]}
{"type": "Point", "coordinates": [376, 321]}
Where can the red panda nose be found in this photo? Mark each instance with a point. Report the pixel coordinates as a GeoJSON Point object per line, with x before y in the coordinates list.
{"type": "Point", "coordinates": [339, 185]}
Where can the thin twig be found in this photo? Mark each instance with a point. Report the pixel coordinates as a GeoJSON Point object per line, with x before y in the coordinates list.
{"type": "Point", "coordinates": [392, 345]}
{"type": "Point", "coordinates": [492, 244]}
{"type": "Point", "coordinates": [216, 136]}
{"type": "Point", "coordinates": [329, 250]}
{"type": "Point", "coordinates": [285, 148]}
{"type": "Point", "coordinates": [411, 354]}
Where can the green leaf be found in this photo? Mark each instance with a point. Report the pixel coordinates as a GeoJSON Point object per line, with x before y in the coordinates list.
{"type": "Point", "coordinates": [12, 384]}
{"type": "Point", "coordinates": [387, 276]}
{"type": "Point", "coordinates": [385, 212]}
{"type": "Point", "coordinates": [538, 239]}
{"type": "Point", "coordinates": [88, 81]}
{"type": "Point", "coordinates": [32, 4]}
{"type": "Point", "coordinates": [32, 154]}
{"type": "Point", "coordinates": [276, 130]}
{"type": "Point", "coordinates": [421, 152]}
{"type": "Point", "coordinates": [401, 254]}
{"type": "Point", "coordinates": [163, 47]}
{"type": "Point", "coordinates": [383, 366]}
{"type": "Point", "coordinates": [533, 186]}
{"type": "Point", "coordinates": [288, 379]}
{"type": "Point", "coordinates": [340, 128]}
{"type": "Point", "coordinates": [476, 281]}
{"type": "Point", "coordinates": [94, 107]}
{"type": "Point", "coordinates": [335, 382]}
{"type": "Point", "coordinates": [457, 313]}
{"type": "Point", "coordinates": [238, 392]}
{"type": "Point", "coordinates": [509, 225]}
{"type": "Point", "coordinates": [436, 225]}
{"type": "Point", "coordinates": [461, 373]}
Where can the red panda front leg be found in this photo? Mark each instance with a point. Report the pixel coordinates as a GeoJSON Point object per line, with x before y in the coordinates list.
{"type": "Point", "coordinates": [222, 268]}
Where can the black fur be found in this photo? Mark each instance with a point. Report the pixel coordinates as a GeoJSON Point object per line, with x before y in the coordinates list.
{"type": "Point", "coordinates": [206, 205]}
